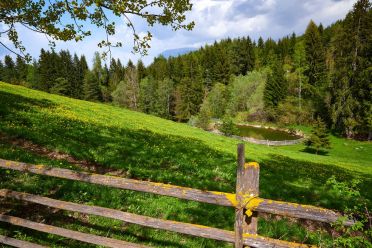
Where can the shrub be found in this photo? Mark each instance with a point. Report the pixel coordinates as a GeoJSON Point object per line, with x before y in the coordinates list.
{"type": "Point", "coordinates": [228, 127]}
{"type": "Point", "coordinates": [355, 208]}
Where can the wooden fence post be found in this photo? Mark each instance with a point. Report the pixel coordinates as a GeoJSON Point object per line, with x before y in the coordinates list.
{"type": "Point", "coordinates": [247, 187]}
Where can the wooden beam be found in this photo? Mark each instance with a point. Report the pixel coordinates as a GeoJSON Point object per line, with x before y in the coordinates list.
{"type": "Point", "coordinates": [251, 185]}
{"type": "Point", "coordinates": [184, 228]}
{"type": "Point", "coordinates": [213, 197]}
{"type": "Point", "coordinates": [241, 190]}
{"type": "Point", "coordinates": [217, 198]}
{"type": "Point", "coordinates": [18, 243]}
{"type": "Point", "coordinates": [84, 237]}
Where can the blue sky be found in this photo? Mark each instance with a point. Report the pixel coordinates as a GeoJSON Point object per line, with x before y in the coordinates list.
{"type": "Point", "coordinates": [214, 19]}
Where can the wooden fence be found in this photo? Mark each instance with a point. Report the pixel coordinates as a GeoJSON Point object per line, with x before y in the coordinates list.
{"type": "Point", "coordinates": [270, 142]}
{"type": "Point", "coordinates": [246, 202]}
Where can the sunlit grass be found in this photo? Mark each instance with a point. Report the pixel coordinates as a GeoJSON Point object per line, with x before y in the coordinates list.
{"type": "Point", "coordinates": [150, 148]}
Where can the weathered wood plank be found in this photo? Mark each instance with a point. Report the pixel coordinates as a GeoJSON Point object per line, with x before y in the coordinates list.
{"type": "Point", "coordinates": [84, 237]}
{"type": "Point", "coordinates": [184, 228]}
{"type": "Point", "coordinates": [217, 198]}
{"type": "Point", "coordinates": [213, 197]}
{"type": "Point", "coordinates": [251, 177]}
{"type": "Point", "coordinates": [18, 243]}
{"type": "Point", "coordinates": [299, 211]}
{"type": "Point", "coordinates": [241, 189]}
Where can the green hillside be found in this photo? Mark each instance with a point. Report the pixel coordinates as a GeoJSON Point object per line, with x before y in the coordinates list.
{"type": "Point", "coordinates": [141, 146]}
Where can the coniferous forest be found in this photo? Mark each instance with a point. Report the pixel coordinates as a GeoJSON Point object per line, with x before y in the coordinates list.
{"type": "Point", "coordinates": [324, 73]}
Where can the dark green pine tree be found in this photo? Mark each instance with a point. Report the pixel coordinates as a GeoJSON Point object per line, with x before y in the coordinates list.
{"type": "Point", "coordinates": [61, 87]}
{"type": "Point", "coordinates": [91, 87]}
{"type": "Point", "coordinates": [158, 69]}
{"type": "Point", "coordinates": [259, 50]}
{"type": "Point", "coordinates": [43, 70]}
{"type": "Point", "coordinates": [141, 70]}
{"type": "Point", "coordinates": [235, 58]}
{"type": "Point", "coordinates": [1, 71]}
{"type": "Point", "coordinates": [221, 68]}
{"type": "Point", "coordinates": [65, 71]}
{"type": "Point", "coordinates": [241, 56]}
{"type": "Point", "coordinates": [47, 69]}
{"type": "Point", "coordinates": [351, 100]}
{"type": "Point", "coordinates": [78, 77]}
{"type": "Point", "coordinates": [82, 70]}
{"type": "Point", "coordinates": [248, 55]}
{"type": "Point", "coordinates": [130, 64]}
{"type": "Point", "coordinates": [207, 60]}
{"type": "Point", "coordinates": [116, 74]}
{"type": "Point", "coordinates": [9, 72]}
{"type": "Point", "coordinates": [292, 43]}
{"type": "Point", "coordinates": [21, 70]}
{"type": "Point", "coordinates": [148, 97]}
{"type": "Point", "coordinates": [188, 98]}
{"type": "Point", "coordinates": [316, 70]}
{"type": "Point", "coordinates": [269, 52]}
{"type": "Point", "coordinates": [92, 80]}
{"type": "Point", "coordinates": [189, 93]}
{"type": "Point", "coordinates": [319, 138]}
{"type": "Point", "coordinates": [315, 57]}
{"type": "Point", "coordinates": [276, 86]}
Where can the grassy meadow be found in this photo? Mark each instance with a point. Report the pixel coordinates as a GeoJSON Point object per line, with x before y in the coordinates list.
{"type": "Point", "coordinates": [140, 146]}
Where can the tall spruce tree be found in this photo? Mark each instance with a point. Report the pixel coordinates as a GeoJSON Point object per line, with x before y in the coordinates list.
{"type": "Point", "coordinates": [1, 71]}
{"type": "Point", "coordinates": [351, 99]}
{"type": "Point", "coordinates": [65, 71]}
{"type": "Point", "coordinates": [61, 87]}
{"type": "Point", "coordinates": [46, 70]}
{"type": "Point", "coordinates": [221, 68]}
{"type": "Point", "coordinates": [189, 95]}
{"type": "Point", "coordinates": [276, 86]}
{"type": "Point", "coordinates": [92, 80]}
{"type": "Point", "coordinates": [91, 88]}
{"type": "Point", "coordinates": [148, 97]}
{"type": "Point", "coordinates": [79, 69]}
{"type": "Point", "coordinates": [21, 70]}
{"type": "Point", "coordinates": [315, 68]}
{"type": "Point", "coordinates": [9, 71]}
{"type": "Point", "coordinates": [141, 70]}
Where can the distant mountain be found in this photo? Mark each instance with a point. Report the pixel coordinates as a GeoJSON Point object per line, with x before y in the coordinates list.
{"type": "Point", "coordinates": [177, 52]}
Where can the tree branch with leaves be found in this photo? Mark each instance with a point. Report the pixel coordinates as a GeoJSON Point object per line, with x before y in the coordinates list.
{"type": "Point", "coordinates": [65, 20]}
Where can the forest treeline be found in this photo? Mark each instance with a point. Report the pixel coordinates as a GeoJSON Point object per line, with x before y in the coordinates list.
{"type": "Point", "coordinates": [325, 73]}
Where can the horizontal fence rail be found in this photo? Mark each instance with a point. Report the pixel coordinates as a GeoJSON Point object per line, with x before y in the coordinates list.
{"type": "Point", "coordinates": [18, 243]}
{"type": "Point", "coordinates": [218, 198]}
{"type": "Point", "coordinates": [84, 237]}
{"type": "Point", "coordinates": [245, 200]}
{"type": "Point", "coordinates": [180, 227]}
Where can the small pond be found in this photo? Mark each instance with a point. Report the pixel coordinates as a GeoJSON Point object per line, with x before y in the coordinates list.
{"type": "Point", "coordinates": [262, 133]}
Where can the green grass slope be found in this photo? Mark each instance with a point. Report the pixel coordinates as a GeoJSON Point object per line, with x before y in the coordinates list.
{"type": "Point", "coordinates": [150, 148]}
